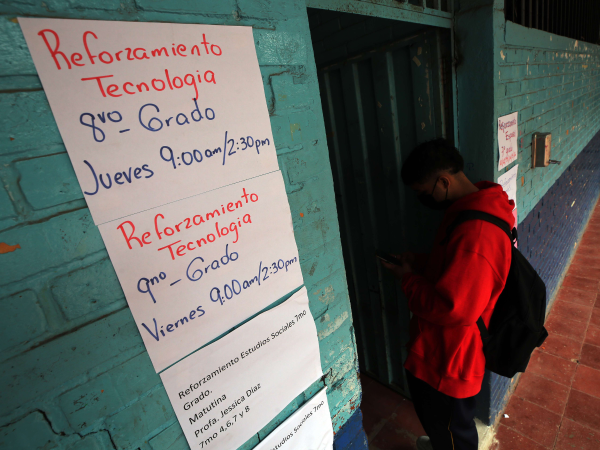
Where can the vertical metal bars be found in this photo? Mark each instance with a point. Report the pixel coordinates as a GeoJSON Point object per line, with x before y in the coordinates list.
{"type": "Point", "coordinates": [377, 106]}
{"type": "Point", "coordinates": [575, 19]}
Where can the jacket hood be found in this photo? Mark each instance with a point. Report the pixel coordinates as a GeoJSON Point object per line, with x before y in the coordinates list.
{"type": "Point", "coordinates": [490, 199]}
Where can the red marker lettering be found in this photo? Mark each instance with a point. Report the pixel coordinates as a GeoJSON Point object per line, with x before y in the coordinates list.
{"type": "Point", "coordinates": [131, 237]}
{"type": "Point", "coordinates": [87, 49]}
{"type": "Point", "coordinates": [125, 88]}
{"type": "Point", "coordinates": [99, 82]}
{"type": "Point", "coordinates": [158, 233]}
{"type": "Point", "coordinates": [75, 57]}
{"type": "Point", "coordinates": [170, 249]}
{"type": "Point", "coordinates": [54, 51]}
{"type": "Point", "coordinates": [205, 43]}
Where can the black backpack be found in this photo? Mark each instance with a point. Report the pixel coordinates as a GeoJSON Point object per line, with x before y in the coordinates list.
{"type": "Point", "coordinates": [517, 324]}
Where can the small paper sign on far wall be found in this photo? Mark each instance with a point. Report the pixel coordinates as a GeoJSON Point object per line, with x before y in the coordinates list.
{"type": "Point", "coordinates": [508, 181]}
{"type": "Point", "coordinates": [508, 132]}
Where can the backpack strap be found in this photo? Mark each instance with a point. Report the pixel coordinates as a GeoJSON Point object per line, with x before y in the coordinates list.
{"type": "Point", "coordinates": [465, 216]}
{"type": "Point", "coordinates": [482, 330]}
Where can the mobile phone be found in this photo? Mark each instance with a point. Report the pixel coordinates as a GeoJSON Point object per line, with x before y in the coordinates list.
{"type": "Point", "coordinates": [388, 258]}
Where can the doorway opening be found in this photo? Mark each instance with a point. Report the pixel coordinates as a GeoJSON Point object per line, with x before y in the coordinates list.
{"type": "Point", "coordinates": [385, 86]}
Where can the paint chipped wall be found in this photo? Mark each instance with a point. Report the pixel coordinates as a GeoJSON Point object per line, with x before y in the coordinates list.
{"type": "Point", "coordinates": [74, 372]}
{"type": "Point", "coordinates": [474, 77]}
{"type": "Point", "coordinates": [553, 229]}
{"type": "Point", "coordinates": [553, 82]}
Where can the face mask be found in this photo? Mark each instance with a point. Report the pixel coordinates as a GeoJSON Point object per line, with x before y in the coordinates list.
{"type": "Point", "coordinates": [430, 202]}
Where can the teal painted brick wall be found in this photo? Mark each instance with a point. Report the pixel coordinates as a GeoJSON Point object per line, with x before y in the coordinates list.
{"type": "Point", "coordinates": [474, 48]}
{"type": "Point", "coordinates": [554, 84]}
{"type": "Point", "coordinates": [74, 372]}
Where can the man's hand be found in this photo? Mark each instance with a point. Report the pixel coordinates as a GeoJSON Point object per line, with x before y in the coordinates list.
{"type": "Point", "coordinates": [407, 257]}
{"type": "Point", "coordinates": [400, 271]}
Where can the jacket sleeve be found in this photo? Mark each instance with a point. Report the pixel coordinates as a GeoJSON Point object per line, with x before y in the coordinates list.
{"type": "Point", "coordinates": [461, 294]}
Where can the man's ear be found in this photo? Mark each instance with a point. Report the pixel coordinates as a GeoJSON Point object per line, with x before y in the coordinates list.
{"type": "Point", "coordinates": [444, 180]}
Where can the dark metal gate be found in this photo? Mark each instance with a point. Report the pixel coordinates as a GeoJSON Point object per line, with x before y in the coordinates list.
{"type": "Point", "coordinates": [576, 19]}
{"type": "Point", "coordinates": [377, 106]}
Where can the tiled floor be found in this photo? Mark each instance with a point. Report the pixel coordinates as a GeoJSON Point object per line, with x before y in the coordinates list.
{"type": "Point", "coordinates": [557, 402]}
{"type": "Point", "coordinates": [389, 419]}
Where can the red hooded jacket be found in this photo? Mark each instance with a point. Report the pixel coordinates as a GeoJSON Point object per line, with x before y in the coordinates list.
{"type": "Point", "coordinates": [460, 281]}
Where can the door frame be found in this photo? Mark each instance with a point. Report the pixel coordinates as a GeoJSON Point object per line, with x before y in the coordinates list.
{"type": "Point", "coordinates": [403, 11]}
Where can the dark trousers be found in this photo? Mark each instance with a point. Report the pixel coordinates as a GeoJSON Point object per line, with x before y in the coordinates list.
{"type": "Point", "coordinates": [448, 421]}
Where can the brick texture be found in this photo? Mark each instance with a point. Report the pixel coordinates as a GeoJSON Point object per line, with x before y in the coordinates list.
{"type": "Point", "coordinates": [549, 234]}
{"type": "Point", "coordinates": [551, 231]}
{"type": "Point", "coordinates": [24, 304]}
{"type": "Point", "coordinates": [553, 83]}
{"type": "Point", "coordinates": [67, 332]}
{"type": "Point", "coordinates": [553, 90]}
{"type": "Point", "coordinates": [87, 290]}
{"type": "Point", "coordinates": [48, 181]}
{"type": "Point", "coordinates": [74, 373]}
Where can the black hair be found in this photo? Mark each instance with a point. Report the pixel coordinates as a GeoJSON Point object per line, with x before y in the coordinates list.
{"type": "Point", "coordinates": [429, 159]}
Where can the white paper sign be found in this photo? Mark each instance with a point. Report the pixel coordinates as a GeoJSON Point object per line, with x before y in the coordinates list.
{"type": "Point", "coordinates": [508, 134]}
{"type": "Point", "coordinates": [508, 181]}
{"type": "Point", "coordinates": [309, 428]}
{"type": "Point", "coordinates": [228, 391]}
{"type": "Point", "coordinates": [193, 269]}
{"type": "Point", "coordinates": [153, 112]}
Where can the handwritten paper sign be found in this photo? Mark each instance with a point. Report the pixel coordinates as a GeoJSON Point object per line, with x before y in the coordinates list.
{"type": "Point", "coordinates": [227, 391]}
{"type": "Point", "coordinates": [193, 269]}
{"type": "Point", "coordinates": [508, 181]}
{"type": "Point", "coordinates": [309, 428]}
{"type": "Point", "coordinates": [508, 133]}
{"type": "Point", "coordinates": [153, 112]}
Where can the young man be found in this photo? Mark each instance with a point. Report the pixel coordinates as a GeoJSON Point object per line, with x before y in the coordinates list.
{"type": "Point", "coordinates": [447, 291]}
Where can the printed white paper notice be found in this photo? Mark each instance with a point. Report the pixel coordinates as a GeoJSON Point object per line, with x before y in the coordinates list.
{"type": "Point", "coordinates": [151, 113]}
{"type": "Point", "coordinates": [309, 428]}
{"type": "Point", "coordinates": [227, 391]}
{"type": "Point", "coordinates": [508, 134]}
{"type": "Point", "coordinates": [508, 181]}
{"type": "Point", "coordinates": [195, 268]}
